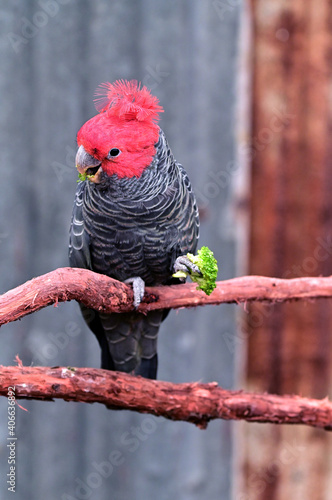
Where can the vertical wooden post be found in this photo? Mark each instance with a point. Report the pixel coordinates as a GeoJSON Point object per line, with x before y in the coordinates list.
{"type": "Point", "coordinates": [289, 346]}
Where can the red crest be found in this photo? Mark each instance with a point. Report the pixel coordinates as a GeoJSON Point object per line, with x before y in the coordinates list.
{"type": "Point", "coordinates": [128, 101]}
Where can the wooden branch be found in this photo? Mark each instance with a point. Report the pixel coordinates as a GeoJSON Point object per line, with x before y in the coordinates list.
{"type": "Point", "coordinates": [105, 294]}
{"type": "Point", "coordinates": [191, 402]}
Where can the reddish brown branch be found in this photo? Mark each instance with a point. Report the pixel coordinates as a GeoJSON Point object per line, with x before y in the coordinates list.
{"type": "Point", "coordinates": [194, 402]}
{"type": "Point", "coordinates": [105, 294]}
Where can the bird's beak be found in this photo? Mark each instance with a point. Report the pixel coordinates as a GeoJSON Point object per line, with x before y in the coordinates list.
{"type": "Point", "coordinates": [88, 166]}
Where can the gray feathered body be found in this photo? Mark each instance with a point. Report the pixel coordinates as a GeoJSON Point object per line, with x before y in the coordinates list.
{"type": "Point", "coordinates": [128, 227]}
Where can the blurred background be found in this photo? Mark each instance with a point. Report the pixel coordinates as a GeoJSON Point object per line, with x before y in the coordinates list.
{"type": "Point", "coordinates": [246, 88]}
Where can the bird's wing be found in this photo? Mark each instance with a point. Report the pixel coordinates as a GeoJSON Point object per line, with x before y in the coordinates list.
{"type": "Point", "coordinates": [79, 241]}
{"type": "Point", "coordinates": [79, 256]}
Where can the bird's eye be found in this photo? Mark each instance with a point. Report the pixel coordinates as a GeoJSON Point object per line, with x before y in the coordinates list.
{"type": "Point", "coordinates": [114, 152]}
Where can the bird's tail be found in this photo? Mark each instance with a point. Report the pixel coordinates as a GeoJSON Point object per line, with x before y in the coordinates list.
{"type": "Point", "coordinates": [132, 341]}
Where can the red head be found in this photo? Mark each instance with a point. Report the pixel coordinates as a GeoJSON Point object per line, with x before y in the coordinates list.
{"type": "Point", "coordinates": [121, 138]}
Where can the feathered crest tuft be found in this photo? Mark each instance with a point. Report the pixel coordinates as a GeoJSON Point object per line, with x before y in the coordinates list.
{"type": "Point", "coordinates": [127, 100]}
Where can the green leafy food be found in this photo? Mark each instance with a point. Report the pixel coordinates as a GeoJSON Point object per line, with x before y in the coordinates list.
{"type": "Point", "coordinates": [208, 267]}
{"type": "Point", "coordinates": [83, 177]}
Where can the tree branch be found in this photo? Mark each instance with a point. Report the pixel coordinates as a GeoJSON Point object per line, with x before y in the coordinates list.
{"type": "Point", "coordinates": [105, 294]}
{"type": "Point", "coordinates": [190, 402]}
{"type": "Point", "coordinates": [196, 403]}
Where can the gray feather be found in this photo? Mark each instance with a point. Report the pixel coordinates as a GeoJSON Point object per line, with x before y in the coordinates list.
{"type": "Point", "coordinates": [134, 227]}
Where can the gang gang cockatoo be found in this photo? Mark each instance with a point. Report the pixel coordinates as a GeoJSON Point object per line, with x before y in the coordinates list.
{"type": "Point", "coordinates": [134, 218]}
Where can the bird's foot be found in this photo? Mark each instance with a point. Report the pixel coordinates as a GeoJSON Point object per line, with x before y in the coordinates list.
{"type": "Point", "coordinates": [184, 266]}
{"type": "Point", "coordinates": [138, 289]}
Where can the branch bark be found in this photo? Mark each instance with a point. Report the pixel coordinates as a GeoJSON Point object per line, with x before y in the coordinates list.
{"type": "Point", "coordinates": [108, 295]}
{"type": "Point", "coordinates": [190, 402]}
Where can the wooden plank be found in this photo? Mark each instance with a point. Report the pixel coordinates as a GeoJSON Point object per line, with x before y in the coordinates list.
{"type": "Point", "coordinates": [291, 210]}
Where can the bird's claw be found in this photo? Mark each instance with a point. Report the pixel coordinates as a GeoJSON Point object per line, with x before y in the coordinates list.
{"type": "Point", "coordinates": [138, 289]}
{"type": "Point", "coordinates": [184, 264]}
